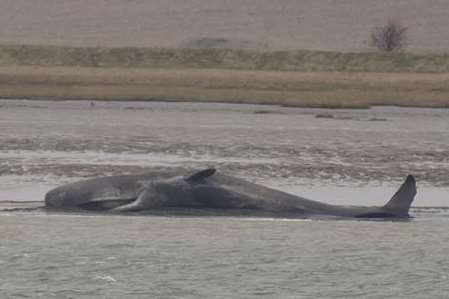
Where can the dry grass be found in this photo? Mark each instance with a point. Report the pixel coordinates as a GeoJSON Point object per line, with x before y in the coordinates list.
{"type": "Point", "coordinates": [309, 89]}
{"type": "Point", "coordinates": [293, 60]}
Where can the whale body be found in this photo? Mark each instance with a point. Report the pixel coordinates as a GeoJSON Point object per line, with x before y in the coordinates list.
{"type": "Point", "coordinates": [212, 191]}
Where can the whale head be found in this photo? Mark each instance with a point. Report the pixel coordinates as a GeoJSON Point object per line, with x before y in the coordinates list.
{"type": "Point", "coordinates": [57, 197]}
{"type": "Point", "coordinates": [68, 196]}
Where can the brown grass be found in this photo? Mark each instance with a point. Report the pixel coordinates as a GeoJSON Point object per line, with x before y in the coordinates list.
{"type": "Point", "coordinates": [309, 89]}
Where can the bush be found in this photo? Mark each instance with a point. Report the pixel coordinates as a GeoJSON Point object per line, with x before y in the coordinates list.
{"type": "Point", "coordinates": [389, 38]}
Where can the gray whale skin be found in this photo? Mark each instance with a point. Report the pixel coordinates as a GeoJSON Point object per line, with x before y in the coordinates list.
{"type": "Point", "coordinates": [212, 192]}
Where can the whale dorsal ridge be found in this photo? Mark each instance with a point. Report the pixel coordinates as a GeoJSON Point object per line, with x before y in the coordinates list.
{"type": "Point", "coordinates": [200, 175]}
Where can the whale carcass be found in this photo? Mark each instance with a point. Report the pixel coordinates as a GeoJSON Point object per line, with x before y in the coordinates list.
{"type": "Point", "coordinates": [210, 190]}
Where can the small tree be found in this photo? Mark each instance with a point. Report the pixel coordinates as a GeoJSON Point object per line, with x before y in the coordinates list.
{"type": "Point", "coordinates": [389, 38]}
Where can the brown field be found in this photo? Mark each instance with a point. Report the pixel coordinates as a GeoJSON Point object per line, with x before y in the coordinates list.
{"type": "Point", "coordinates": [331, 25]}
{"type": "Point", "coordinates": [309, 89]}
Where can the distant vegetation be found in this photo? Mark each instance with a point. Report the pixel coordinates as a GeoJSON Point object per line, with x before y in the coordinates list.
{"type": "Point", "coordinates": [222, 43]}
{"type": "Point", "coordinates": [300, 60]}
{"type": "Point", "coordinates": [389, 38]}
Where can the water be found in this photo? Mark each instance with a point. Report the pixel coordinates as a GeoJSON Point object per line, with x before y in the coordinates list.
{"type": "Point", "coordinates": [73, 256]}
{"type": "Point", "coordinates": [338, 156]}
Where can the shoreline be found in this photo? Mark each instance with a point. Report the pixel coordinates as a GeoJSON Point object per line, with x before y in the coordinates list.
{"type": "Point", "coordinates": [283, 88]}
{"type": "Point", "coordinates": [305, 106]}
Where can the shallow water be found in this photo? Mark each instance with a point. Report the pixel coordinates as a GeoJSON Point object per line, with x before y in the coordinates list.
{"type": "Point", "coordinates": [73, 256]}
{"type": "Point", "coordinates": [339, 156]}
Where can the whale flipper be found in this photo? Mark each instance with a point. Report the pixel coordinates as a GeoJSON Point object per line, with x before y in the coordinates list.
{"type": "Point", "coordinates": [201, 175]}
{"type": "Point", "coordinates": [103, 204]}
{"type": "Point", "coordinates": [144, 200]}
{"type": "Point", "coordinates": [153, 197]}
{"type": "Point", "coordinates": [401, 201]}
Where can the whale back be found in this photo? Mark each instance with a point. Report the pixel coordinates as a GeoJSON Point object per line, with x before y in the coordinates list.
{"type": "Point", "coordinates": [200, 175]}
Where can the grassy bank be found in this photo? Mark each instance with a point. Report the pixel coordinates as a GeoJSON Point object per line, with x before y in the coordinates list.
{"type": "Point", "coordinates": [291, 78]}
{"type": "Point", "coordinates": [300, 60]}
{"type": "Point", "coordinates": [310, 89]}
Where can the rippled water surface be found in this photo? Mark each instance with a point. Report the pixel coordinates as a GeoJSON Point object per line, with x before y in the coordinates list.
{"type": "Point", "coordinates": [339, 156]}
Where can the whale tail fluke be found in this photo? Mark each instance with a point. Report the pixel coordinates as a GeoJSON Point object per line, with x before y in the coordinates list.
{"type": "Point", "coordinates": [401, 201]}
